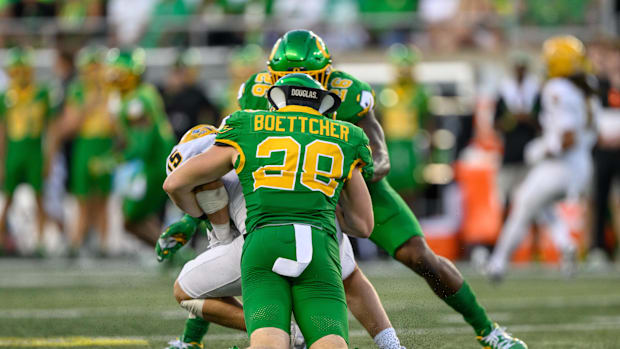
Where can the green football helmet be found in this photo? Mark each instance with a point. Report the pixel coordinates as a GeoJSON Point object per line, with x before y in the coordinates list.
{"type": "Point", "coordinates": [19, 56]}
{"type": "Point", "coordinates": [124, 68]}
{"type": "Point", "coordinates": [18, 63]}
{"type": "Point", "coordinates": [301, 89]}
{"type": "Point", "coordinates": [89, 55]}
{"type": "Point", "coordinates": [402, 55]}
{"type": "Point", "coordinates": [133, 61]}
{"type": "Point", "coordinates": [300, 51]}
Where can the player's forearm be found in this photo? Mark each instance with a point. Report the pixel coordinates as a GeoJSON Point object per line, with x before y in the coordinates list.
{"type": "Point", "coordinates": [204, 168]}
{"type": "Point", "coordinates": [357, 207]}
{"type": "Point", "coordinates": [381, 161]}
{"type": "Point", "coordinates": [376, 139]}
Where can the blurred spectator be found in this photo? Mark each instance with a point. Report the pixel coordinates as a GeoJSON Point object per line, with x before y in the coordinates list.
{"type": "Point", "coordinates": [148, 139]}
{"type": "Point", "coordinates": [24, 114]}
{"type": "Point", "coordinates": [516, 114]}
{"type": "Point", "coordinates": [438, 16]}
{"type": "Point", "coordinates": [127, 20]}
{"type": "Point", "coordinates": [86, 120]}
{"type": "Point", "coordinates": [405, 115]}
{"type": "Point", "coordinates": [606, 153]}
{"type": "Point", "coordinates": [186, 103]}
{"type": "Point", "coordinates": [55, 168]}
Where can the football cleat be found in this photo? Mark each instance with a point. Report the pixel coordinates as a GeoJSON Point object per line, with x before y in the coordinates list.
{"type": "Point", "coordinates": [495, 272]}
{"type": "Point", "coordinates": [179, 344]}
{"type": "Point", "coordinates": [498, 338]}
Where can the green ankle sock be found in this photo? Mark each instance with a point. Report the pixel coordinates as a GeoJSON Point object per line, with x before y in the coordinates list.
{"type": "Point", "coordinates": [195, 329]}
{"type": "Point", "coordinates": [464, 302]}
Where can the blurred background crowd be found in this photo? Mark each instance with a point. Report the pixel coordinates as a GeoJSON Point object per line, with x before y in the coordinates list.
{"type": "Point", "coordinates": [457, 90]}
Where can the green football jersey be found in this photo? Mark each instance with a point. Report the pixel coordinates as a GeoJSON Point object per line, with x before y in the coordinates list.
{"type": "Point", "coordinates": [93, 102]}
{"type": "Point", "coordinates": [357, 96]}
{"type": "Point", "coordinates": [25, 112]}
{"type": "Point", "coordinates": [293, 164]}
{"type": "Point", "coordinates": [147, 131]}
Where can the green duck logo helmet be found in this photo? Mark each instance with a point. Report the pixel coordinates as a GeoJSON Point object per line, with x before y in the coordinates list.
{"type": "Point", "coordinates": [300, 51]}
{"type": "Point", "coordinates": [403, 55]}
{"type": "Point", "coordinates": [90, 55]}
{"type": "Point", "coordinates": [133, 61]}
{"type": "Point", "coordinates": [19, 56]}
{"type": "Point", "coordinates": [302, 89]}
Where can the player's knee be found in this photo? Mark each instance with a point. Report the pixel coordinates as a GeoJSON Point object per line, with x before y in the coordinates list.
{"type": "Point", "coordinates": [331, 341]}
{"type": "Point", "coordinates": [269, 338]}
{"type": "Point", "coordinates": [416, 254]}
{"type": "Point", "coordinates": [179, 294]}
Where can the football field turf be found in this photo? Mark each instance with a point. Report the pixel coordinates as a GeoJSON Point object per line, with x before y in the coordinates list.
{"type": "Point", "coordinates": [122, 304]}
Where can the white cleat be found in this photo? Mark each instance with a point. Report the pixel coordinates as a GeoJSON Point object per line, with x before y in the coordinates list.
{"type": "Point", "coordinates": [496, 272]}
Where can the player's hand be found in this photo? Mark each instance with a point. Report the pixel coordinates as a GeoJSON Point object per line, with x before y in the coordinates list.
{"type": "Point", "coordinates": [175, 236]}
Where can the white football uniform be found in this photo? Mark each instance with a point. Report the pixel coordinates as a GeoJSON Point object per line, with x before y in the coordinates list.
{"type": "Point", "coordinates": [565, 174]}
{"type": "Point", "coordinates": [217, 271]}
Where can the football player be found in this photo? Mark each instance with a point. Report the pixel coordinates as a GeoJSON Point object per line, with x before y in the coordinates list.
{"type": "Point", "coordinates": [198, 287]}
{"type": "Point", "coordinates": [293, 164]}
{"type": "Point", "coordinates": [87, 120]}
{"type": "Point", "coordinates": [561, 156]}
{"type": "Point", "coordinates": [24, 114]}
{"type": "Point", "coordinates": [396, 229]}
{"type": "Point", "coordinates": [147, 138]}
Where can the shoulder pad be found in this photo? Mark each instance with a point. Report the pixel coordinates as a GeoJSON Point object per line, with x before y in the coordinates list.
{"type": "Point", "coordinates": [357, 96]}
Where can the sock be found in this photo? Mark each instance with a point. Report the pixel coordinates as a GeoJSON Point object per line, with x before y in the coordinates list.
{"type": "Point", "coordinates": [464, 302]}
{"type": "Point", "coordinates": [387, 339]}
{"type": "Point", "coordinates": [193, 306]}
{"type": "Point", "coordinates": [195, 329]}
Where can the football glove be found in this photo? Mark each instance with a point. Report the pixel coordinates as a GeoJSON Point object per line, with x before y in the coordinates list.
{"type": "Point", "coordinates": [177, 235]}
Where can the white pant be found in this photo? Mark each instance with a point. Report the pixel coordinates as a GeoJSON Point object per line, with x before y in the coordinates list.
{"type": "Point", "coordinates": [545, 184]}
{"type": "Point", "coordinates": [217, 271]}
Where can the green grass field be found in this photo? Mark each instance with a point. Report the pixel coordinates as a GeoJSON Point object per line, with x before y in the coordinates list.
{"type": "Point", "coordinates": [122, 304]}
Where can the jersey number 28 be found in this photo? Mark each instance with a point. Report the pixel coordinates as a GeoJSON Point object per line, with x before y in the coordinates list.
{"type": "Point", "coordinates": [283, 175]}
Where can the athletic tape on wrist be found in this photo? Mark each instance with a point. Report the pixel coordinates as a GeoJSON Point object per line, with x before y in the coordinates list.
{"type": "Point", "coordinates": [213, 200]}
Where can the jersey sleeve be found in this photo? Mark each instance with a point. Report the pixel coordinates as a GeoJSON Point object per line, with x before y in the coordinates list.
{"type": "Point", "coordinates": [252, 93]}
{"type": "Point", "coordinates": [195, 141]}
{"type": "Point", "coordinates": [229, 134]}
{"type": "Point", "coordinates": [357, 97]}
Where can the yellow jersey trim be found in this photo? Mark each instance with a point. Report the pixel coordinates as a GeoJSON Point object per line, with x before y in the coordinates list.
{"type": "Point", "coordinates": [238, 148]}
{"type": "Point", "coordinates": [353, 166]}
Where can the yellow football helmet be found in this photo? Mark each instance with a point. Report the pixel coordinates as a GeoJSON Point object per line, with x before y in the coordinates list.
{"type": "Point", "coordinates": [563, 55]}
